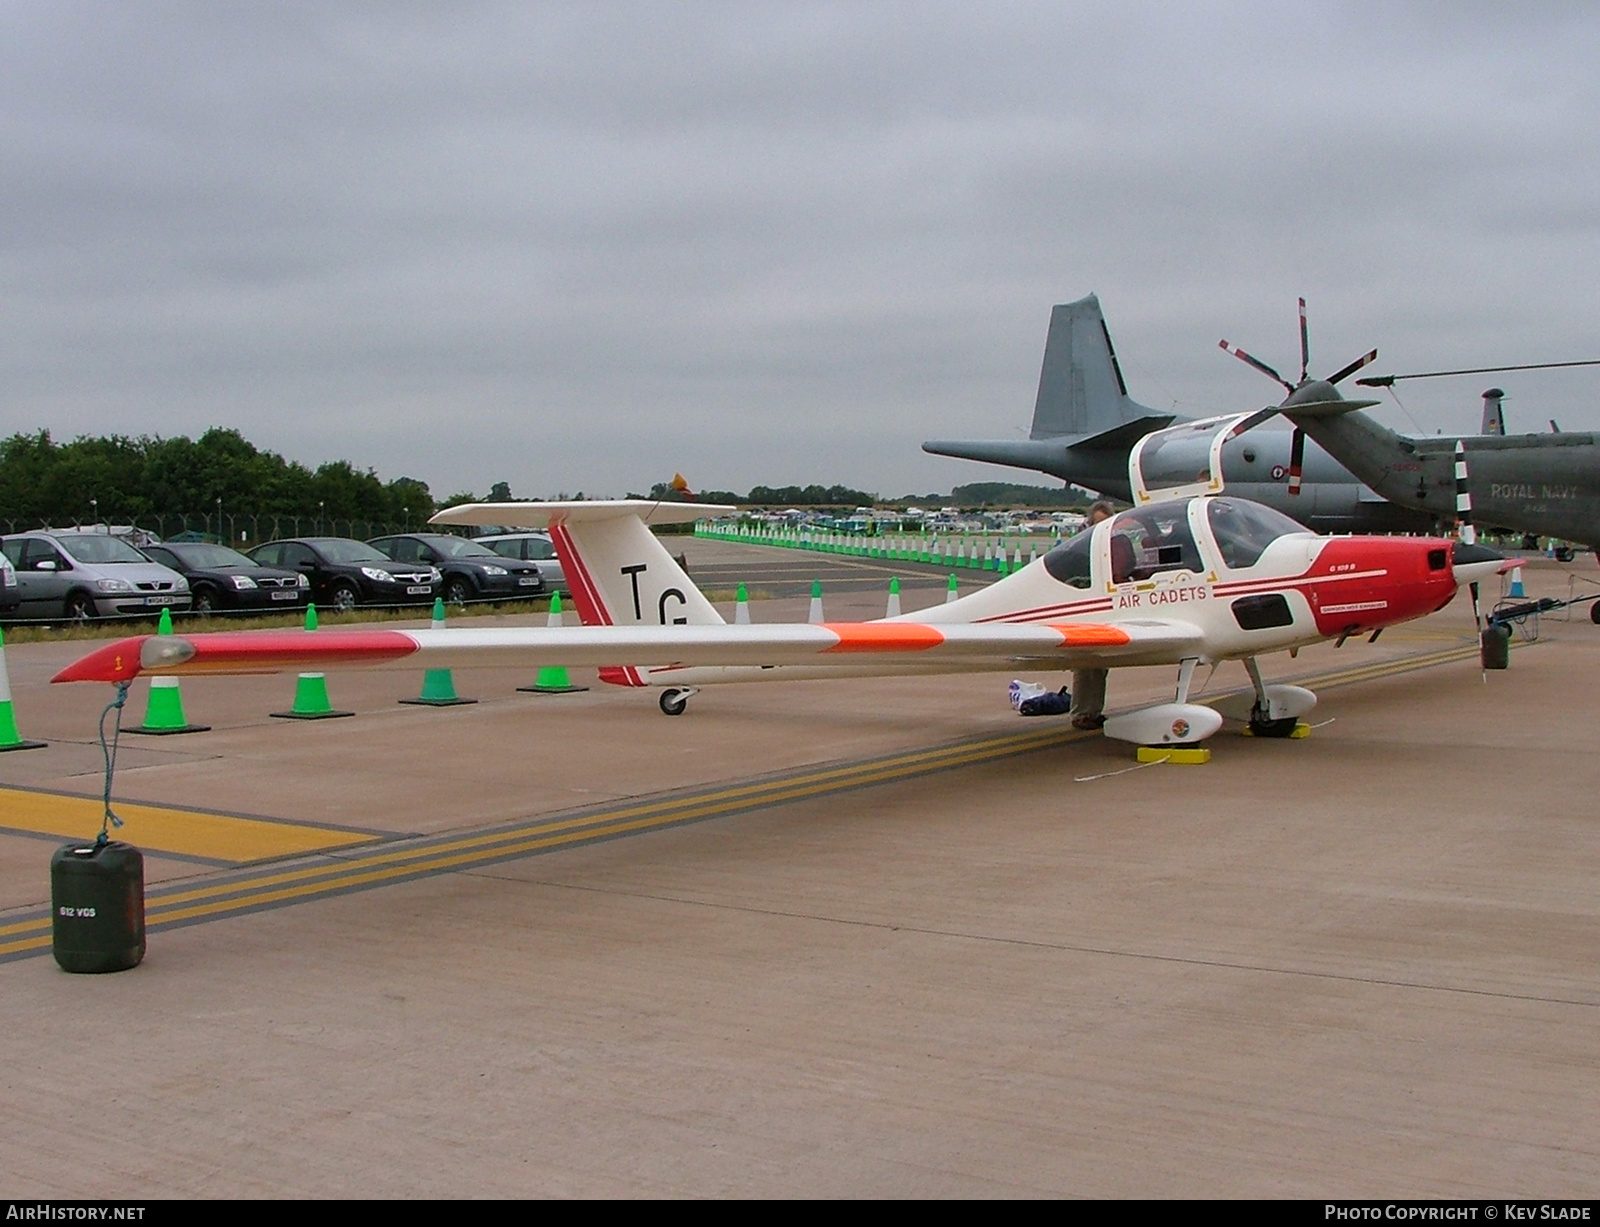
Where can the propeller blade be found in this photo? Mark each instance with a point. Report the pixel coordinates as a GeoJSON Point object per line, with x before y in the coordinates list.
{"type": "Point", "coordinates": [1297, 457]}
{"type": "Point", "coordinates": [1254, 420]}
{"type": "Point", "coordinates": [1469, 534]}
{"type": "Point", "coordinates": [1257, 363]}
{"type": "Point", "coordinates": [1370, 356]}
{"type": "Point", "coordinates": [1305, 343]}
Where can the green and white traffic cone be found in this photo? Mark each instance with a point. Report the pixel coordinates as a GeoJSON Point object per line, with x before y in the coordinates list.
{"type": "Point", "coordinates": [553, 679]}
{"type": "Point", "coordinates": [741, 607]}
{"type": "Point", "coordinates": [894, 598]}
{"type": "Point", "coordinates": [10, 739]}
{"type": "Point", "coordinates": [815, 615]}
{"type": "Point", "coordinates": [950, 593]}
{"type": "Point", "coordinates": [163, 715]}
{"type": "Point", "coordinates": [311, 690]}
{"type": "Point", "coordinates": [438, 685]}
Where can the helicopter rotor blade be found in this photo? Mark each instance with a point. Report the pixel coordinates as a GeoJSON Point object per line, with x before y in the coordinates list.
{"type": "Point", "coordinates": [1254, 420]}
{"type": "Point", "coordinates": [1387, 381]}
{"type": "Point", "coordinates": [1369, 356]}
{"type": "Point", "coordinates": [1305, 343]}
{"type": "Point", "coordinates": [1257, 363]}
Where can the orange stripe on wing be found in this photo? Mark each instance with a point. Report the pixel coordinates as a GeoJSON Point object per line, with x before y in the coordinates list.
{"type": "Point", "coordinates": [1091, 635]}
{"type": "Point", "coordinates": [883, 637]}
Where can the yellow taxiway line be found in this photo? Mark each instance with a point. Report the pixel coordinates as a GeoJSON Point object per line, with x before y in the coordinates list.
{"type": "Point", "coordinates": [364, 867]}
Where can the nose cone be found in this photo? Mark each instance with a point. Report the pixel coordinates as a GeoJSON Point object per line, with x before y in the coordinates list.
{"type": "Point", "coordinates": [1475, 563]}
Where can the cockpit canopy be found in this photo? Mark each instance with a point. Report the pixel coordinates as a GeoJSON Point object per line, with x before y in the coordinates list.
{"type": "Point", "coordinates": [1243, 530]}
{"type": "Point", "coordinates": [1146, 541]}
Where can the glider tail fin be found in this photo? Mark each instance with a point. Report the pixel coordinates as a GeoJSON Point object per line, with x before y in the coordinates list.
{"type": "Point", "coordinates": [621, 575]}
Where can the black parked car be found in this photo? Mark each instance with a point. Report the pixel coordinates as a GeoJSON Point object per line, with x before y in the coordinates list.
{"type": "Point", "coordinates": [221, 578]}
{"type": "Point", "coordinates": [345, 573]}
{"type": "Point", "coordinates": [471, 571]}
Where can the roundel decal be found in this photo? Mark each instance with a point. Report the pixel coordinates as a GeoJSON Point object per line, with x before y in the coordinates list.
{"type": "Point", "coordinates": [1279, 472]}
{"type": "Point", "coordinates": [1180, 729]}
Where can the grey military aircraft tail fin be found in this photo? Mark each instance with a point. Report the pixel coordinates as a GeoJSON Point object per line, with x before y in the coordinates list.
{"type": "Point", "coordinates": [1494, 415]}
{"type": "Point", "coordinates": [1081, 389]}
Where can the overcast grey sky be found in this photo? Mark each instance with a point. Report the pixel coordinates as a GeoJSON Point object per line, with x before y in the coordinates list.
{"type": "Point", "coordinates": [583, 246]}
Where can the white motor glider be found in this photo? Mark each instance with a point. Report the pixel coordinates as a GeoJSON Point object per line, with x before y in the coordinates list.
{"type": "Point", "coordinates": [1185, 581]}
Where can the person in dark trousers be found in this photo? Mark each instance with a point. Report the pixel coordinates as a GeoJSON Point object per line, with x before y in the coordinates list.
{"type": "Point", "coordinates": [1089, 685]}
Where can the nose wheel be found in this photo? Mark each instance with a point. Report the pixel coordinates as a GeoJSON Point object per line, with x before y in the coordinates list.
{"type": "Point", "coordinates": [674, 701]}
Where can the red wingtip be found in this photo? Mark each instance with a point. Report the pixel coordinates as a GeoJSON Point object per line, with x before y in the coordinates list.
{"type": "Point", "coordinates": [116, 662]}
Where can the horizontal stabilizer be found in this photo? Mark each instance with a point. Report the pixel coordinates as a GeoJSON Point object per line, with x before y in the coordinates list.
{"type": "Point", "coordinates": [1122, 438]}
{"type": "Point", "coordinates": [542, 515]}
{"type": "Point", "coordinates": [1043, 455]}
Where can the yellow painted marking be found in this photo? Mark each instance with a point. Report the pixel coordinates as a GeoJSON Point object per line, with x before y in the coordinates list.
{"type": "Point", "coordinates": [157, 829]}
{"type": "Point", "coordinates": [1191, 755]}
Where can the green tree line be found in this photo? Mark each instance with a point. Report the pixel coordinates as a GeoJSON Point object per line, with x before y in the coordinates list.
{"type": "Point", "coordinates": [122, 479]}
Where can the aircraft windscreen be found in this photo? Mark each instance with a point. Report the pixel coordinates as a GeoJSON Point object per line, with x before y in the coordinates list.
{"type": "Point", "coordinates": [1068, 562]}
{"type": "Point", "coordinates": [1244, 530]}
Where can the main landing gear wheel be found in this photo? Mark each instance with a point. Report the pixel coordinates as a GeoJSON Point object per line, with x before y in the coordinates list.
{"type": "Point", "coordinates": [1262, 727]}
{"type": "Point", "coordinates": [674, 701]}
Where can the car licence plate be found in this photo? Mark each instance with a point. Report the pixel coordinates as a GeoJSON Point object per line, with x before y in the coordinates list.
{"type": "Point", "coordinates": [161, 600]}
{"type": "Point", "coordinates": [285, 596]}
{"type": "Point", "coordinates": [529, 582]}
{"type": "Point", "coordinates": [418, 590]}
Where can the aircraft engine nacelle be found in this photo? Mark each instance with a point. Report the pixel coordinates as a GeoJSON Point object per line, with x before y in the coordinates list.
{"type": "Point", "coordinates": [1169, 724]}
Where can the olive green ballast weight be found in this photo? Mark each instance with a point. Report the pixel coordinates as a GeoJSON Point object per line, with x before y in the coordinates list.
{"type": "Point", "coordinates": [97, 889]}
{"type": "Point", "coordinates": [97, 906]}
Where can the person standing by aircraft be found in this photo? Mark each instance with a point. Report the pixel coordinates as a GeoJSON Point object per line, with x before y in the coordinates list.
{"type": "Point", "coordinates": [1089, 685]}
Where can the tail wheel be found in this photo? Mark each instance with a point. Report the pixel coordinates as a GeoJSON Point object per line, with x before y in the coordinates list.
{"type": "Point", "coordinates": [673, 702]}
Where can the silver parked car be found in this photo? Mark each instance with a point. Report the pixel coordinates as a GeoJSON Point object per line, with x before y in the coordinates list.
{"type": "Point", "coordinates": [89, 575]}
{"type": "Point", "coordinates": [532, 547]}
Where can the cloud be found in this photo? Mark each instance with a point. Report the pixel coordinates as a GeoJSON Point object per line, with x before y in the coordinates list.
{"type": "Point", "coordinates": [584, 246]}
